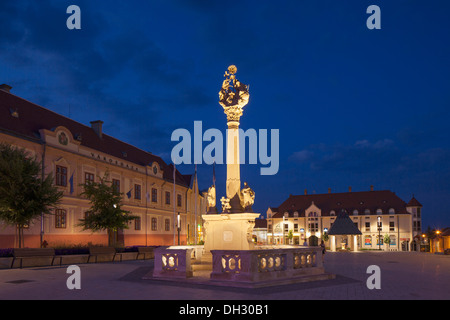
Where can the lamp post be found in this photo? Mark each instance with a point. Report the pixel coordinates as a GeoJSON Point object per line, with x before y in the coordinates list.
{"type": "Point", "coordinates": [178, 227]}
{"type": "Point", "coordinates": [379, 232]}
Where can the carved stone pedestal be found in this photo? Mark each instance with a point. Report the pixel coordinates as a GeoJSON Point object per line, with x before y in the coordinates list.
{"type": "Point", "coordinates": [228, 232]}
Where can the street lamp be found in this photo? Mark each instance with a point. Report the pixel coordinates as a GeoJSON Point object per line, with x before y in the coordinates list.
{"type": "Point", "coordinates": [178, 227]}
{"type": "Point", "coordinates": [379, 232]}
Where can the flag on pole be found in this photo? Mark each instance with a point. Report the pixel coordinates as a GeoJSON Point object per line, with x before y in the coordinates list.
{"type": "Point", "coordinates": [214, 174]}
{"type": "Point", "coordinates": [71, 183]}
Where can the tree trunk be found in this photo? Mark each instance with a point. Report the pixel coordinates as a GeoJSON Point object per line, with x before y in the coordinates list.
{"type": "Point", "coordinates": [19, 235]}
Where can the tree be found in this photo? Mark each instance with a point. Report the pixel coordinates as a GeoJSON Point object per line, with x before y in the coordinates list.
{"type": "Point", "coordinates": [105, 212]}
{"type": "Point", "coordinates": [25, 194]}
{"type": "Point", "coordinates": [387, 239]}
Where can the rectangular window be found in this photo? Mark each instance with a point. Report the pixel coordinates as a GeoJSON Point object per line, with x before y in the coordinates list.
{"type": "Point", "coordinates": [295, 227]}
{"type": "Point", "coordinates": [89, 177]}
{"type": "Point", "coordinates": [179, 200]}
{"type": "Point", "coordinates": [368, 226]}
{"type": "Point", "coordinates": [391, 226]}
{"type": "Point", "coordinates": [137, 223]}
{"type": "Point", "coordinates": [167, 197]}
{"type": "Point", "coordinates": [167, 224]}
{"type": "Point", "coordinates": [154, 224]}
{"type": "Point", "coordinates": [116, 185]}
{"type": "Point", "coordinates": [60, 218]}
{"type": "Point", "coordinates": [61, 176]}
{"type": "Point", "coordinates": [154, 195]}
{"type": "Point", "coordinates": [137, 191]}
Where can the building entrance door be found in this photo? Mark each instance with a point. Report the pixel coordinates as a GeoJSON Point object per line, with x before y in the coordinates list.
{"type": "Point", "coordinates": [313, 241]}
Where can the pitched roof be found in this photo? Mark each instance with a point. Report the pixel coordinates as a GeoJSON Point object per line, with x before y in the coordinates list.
{"type": "Point", "coordinates": [343, 225]}
{"type": "Point", "coordinates": [32, 118]}
{"type": "Point", "coordinates": [414, 203]}
{"type": "Point", "coordinates": [260, 223]}
{"type": "Point", "coordinates": [350, 201]}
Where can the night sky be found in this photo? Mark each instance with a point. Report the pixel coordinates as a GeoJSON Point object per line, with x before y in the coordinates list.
{"type": "Point", "coordinates": [354, 107]}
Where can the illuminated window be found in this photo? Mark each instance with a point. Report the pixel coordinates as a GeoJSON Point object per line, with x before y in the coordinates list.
{"type": "Point", "coordinates": [89, 177]}
{"type": "Point", "coordinates": [167, 197]}
{"type": "Point", "coordinates": [137, 191]}
{"type": "Point", "coordinates": [61, 176]}
{"type": "Point", "coordinates": [137, 223]}
{"type": "Point", "coordinates": [116, 185]}
{"type": "Point", "coordinates": [60, 218]}
{"type": "Point", "coordinates": [154, 195]}
{"type": "Point", "coordinates": [167, 224]}
{"type": "Point", "coordinates": [154, 224]}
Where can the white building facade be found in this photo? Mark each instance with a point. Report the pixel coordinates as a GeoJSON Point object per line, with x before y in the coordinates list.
{"type": "Point", "coordinates": [381, 216]}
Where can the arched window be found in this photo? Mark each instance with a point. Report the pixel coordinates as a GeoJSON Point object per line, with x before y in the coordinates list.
{"type": "Point", "coordinates": [367, 211]}
{"type": "Point", "coordinates": [332, 213]}
{"type": "Point", "coordinates": [391, 211]}
{"type": "Point", "coordinates": [379, 211]}
{"type": "Point", "coordinates": [355, 212]}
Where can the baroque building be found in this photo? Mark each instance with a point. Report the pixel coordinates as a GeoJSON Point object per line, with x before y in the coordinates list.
{"type": "Point", "coordinates": [76, 153]}
{"type": "Point", "coordinates": [303, 219]}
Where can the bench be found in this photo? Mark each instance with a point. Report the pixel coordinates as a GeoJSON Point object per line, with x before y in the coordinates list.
{"type": "Point", "coordinates": [144, 251]}
{"type": "Point", "coordinates": [101, 251]}
{"type": "Point", "coordinates": [26, 253]}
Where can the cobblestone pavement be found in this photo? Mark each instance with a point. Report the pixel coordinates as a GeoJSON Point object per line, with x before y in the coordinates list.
{"type": "Point", "coordinates": [404, 275]}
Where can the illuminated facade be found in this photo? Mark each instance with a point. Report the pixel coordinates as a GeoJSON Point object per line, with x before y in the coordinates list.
{"type": "Point", "coordinates": [76, 153]}
{"type": "Point", "coordinates": [303, 219]}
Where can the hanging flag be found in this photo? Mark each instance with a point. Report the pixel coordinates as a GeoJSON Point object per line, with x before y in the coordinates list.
{"type": "Point", "coordinates": [71, 183]}
{"type": "Point", "coordinates": [129, 193]}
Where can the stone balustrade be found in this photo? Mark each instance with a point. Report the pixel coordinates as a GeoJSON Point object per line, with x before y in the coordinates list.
{"type": "Point", "coordinates": [267, 265]}
{"type": "Point", "coordinates": [172, 263]}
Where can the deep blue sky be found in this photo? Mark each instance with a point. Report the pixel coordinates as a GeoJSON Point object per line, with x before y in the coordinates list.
{"type": "Point", "coordinates": [355, 107]}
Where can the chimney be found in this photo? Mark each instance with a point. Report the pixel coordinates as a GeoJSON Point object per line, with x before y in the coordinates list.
{"type": "Point", "coordinates": [97, 127]}
{"type": "Point", "coordinates": [5, 87]}
{"type": "Point", "coordinates": [371, 188]}
{"type": "Point", "coordinates": [306, 192]}
{"type": "Point", "coordinates": [350, 189]}
{"type": "Point", "coordinates": [329, 190]}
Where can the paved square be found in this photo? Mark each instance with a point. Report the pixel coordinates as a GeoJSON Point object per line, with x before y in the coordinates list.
{"type": "Point", "coordinates": [404, 275]}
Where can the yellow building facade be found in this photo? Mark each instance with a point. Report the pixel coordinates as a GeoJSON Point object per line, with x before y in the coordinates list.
{"type": "Point", "coordinates": [76, 153]}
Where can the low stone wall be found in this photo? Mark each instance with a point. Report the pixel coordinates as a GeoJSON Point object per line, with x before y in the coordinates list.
{"type": "Point", "coordinates": [172, 263]}
{"type": "Point", "coordinates": [196, 253]}
{"type": "Point", "coordinates": [262, 267]}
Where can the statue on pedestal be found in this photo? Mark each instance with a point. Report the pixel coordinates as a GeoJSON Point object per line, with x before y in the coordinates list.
{"type": "Point", "coordinates": [247, 198]}
{"type": "Point", "coordinates": [211, 200]}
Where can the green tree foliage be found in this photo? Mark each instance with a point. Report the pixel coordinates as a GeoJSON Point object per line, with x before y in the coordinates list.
{"type": "Point", "coordinates": [105, 212]}
{"type": "Point", "coordinates": [24, 193]}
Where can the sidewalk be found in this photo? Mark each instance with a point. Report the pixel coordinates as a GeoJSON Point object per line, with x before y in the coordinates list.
{"type": "Point", "coordinates": [404, 275]}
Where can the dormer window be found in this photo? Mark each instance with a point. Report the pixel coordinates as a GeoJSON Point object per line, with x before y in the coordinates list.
{"type": "Point", "coordinates": [332, 213]}
{"type": "Point", "coordinates": [14, 112]}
